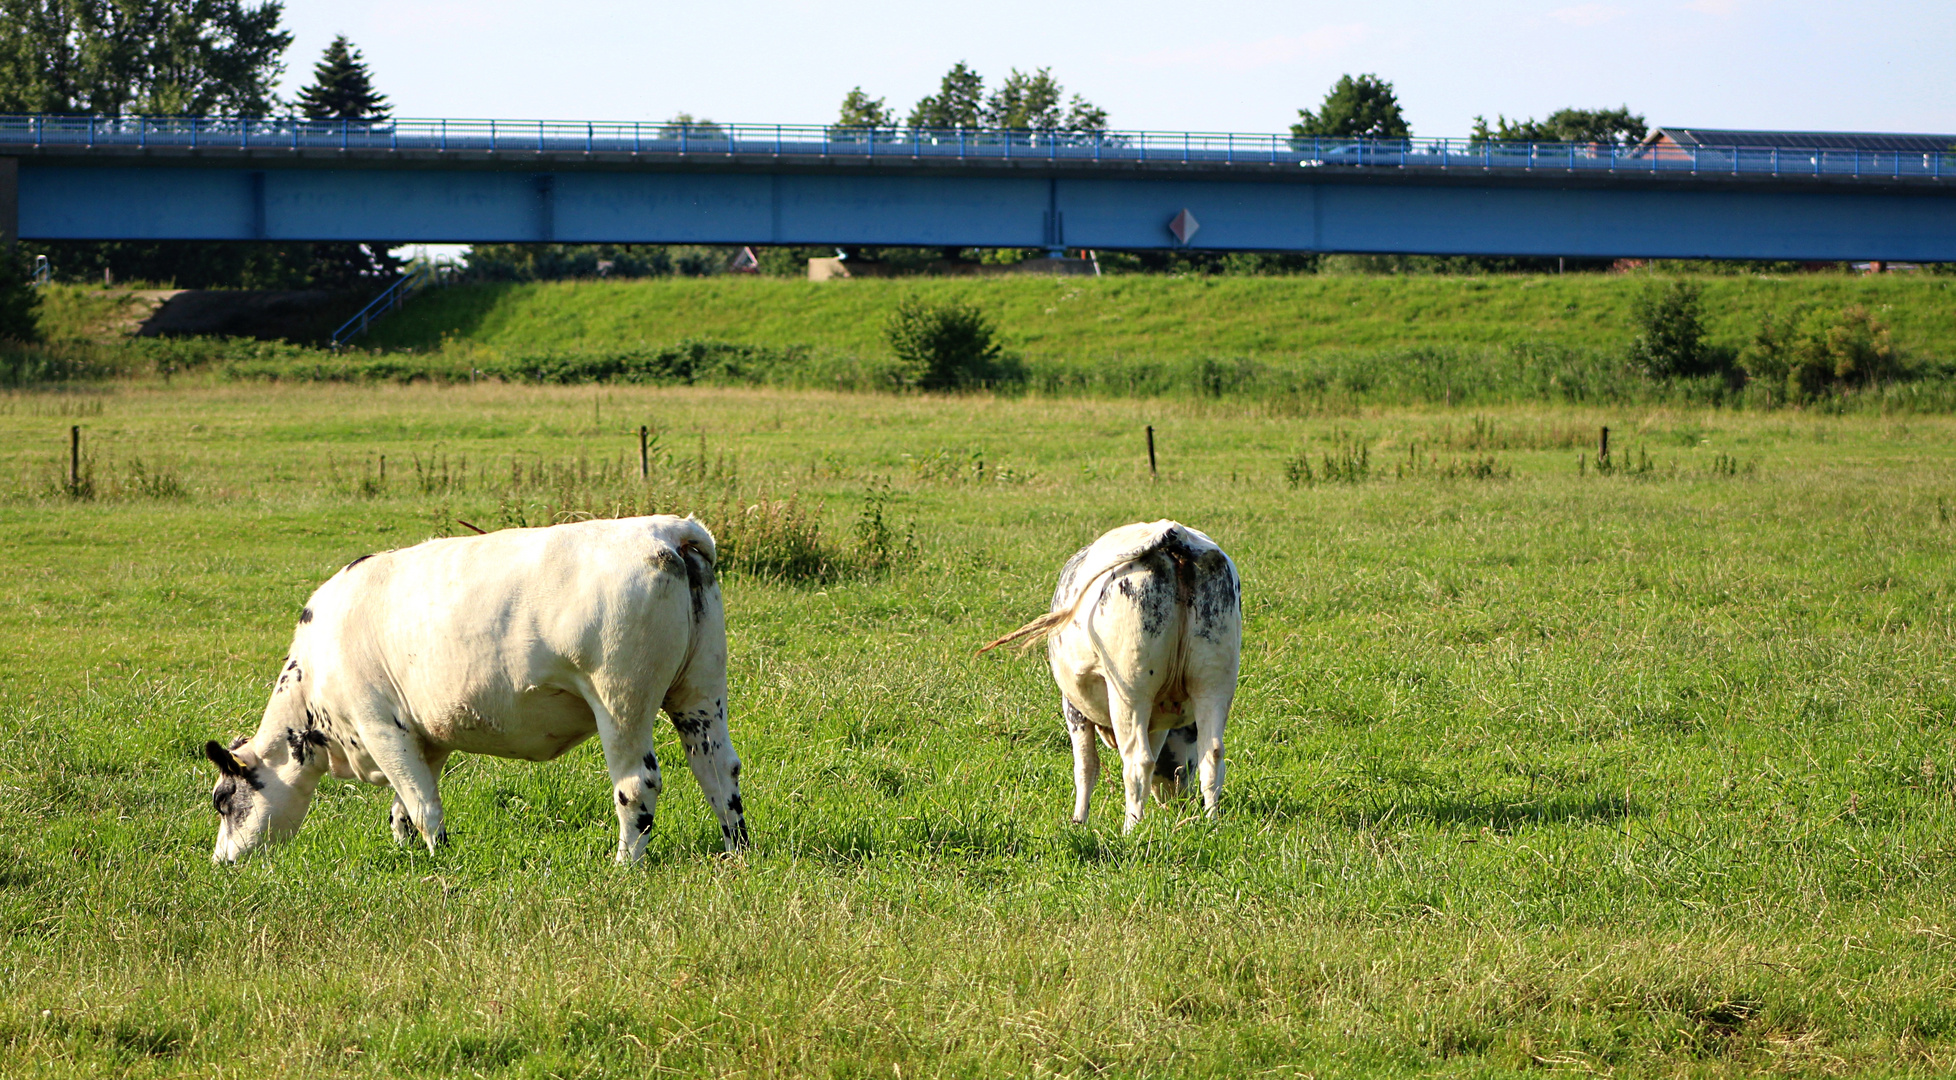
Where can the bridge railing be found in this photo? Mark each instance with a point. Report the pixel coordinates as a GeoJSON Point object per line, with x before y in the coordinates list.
{"type": "Point", "coordinates": [516, 138]}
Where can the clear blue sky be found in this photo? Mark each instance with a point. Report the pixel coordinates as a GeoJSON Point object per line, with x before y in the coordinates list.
{"type": "Point", "coordinates": [1233, 65]}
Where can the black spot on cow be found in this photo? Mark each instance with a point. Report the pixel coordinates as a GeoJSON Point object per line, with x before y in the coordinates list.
{"type": "Point", "coordinates": [622, 800]}
{"type": "Point", "coordinates": [305, 616]}
{"type": "Point", "coordinates": [644, 823]}
{"type": "Point", "coordinates": [1216, 594]}
{"type": "Point", "coordinates": [688, 724]}
{"type": "Point", "coordinates": [733, 803]}
{"type": "Point", "coordinates": [397, 722]}
{"type": "Point", "coordinates": [303, 743]}
{"type": "Point", "coordinates": [736, 770]}
{"type": "Point", "coordinates": [1075, 719]}
{"type": "Point", "coordinates": [1159, 590]}
{"type": "Point", "coordinates": [239, 741]}
{"type": "Point", "coordinates": [651, 761]}
{"type": "Point", "coordinates": [358, 561]}
{"type": "Point", "coordinates": [290, 663]}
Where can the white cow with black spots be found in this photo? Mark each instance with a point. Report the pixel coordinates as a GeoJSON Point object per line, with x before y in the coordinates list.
{"type": "Point", "coordinates": [519, 644]}
{"type": "Point", "coordinates": [1145, 637]}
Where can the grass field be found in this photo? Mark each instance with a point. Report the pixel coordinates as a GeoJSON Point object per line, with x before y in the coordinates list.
{"type": "Point", "coordinates": [1646, 772]}
{"type": "Point", "coordinates": [1058, 320]}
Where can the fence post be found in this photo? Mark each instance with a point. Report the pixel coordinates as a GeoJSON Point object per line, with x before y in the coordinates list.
{"type": "Point", "coordinates": [644, 460]}
{"type": "Point", "coordinates": [74, 459]}
{"type": "Point", "coordinates": [1603, 450]}
{"type": "Point", "coordinates": [1151, 453]}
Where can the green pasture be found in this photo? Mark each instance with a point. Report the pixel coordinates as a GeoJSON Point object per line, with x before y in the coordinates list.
{"type": "Point", "coordinates": [1533, 765]}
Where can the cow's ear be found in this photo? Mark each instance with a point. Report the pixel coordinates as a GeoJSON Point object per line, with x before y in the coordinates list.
{"type": "Point", "coordinates": [226, 762]}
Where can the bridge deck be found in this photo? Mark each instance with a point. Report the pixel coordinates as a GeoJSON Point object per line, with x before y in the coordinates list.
{"type": "Point", "coordinates": [587, 182]}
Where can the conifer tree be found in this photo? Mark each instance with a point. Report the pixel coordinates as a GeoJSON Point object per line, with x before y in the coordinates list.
{"type": "Point", "coordinates": [342, 87]}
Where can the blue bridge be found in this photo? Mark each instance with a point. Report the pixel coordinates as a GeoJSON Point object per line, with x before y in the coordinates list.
{"type": "Point", "coordinates": [476, 181]}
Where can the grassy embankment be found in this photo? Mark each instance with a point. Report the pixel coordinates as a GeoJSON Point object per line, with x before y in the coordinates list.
{"type": "Point", "coordinates": [1311, 342]}
{"type": "Point", "coordinates": [1638, 774]}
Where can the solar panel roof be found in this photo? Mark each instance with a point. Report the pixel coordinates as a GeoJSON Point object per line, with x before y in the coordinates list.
{"type": "Point", "coordinates": [1814, 140]}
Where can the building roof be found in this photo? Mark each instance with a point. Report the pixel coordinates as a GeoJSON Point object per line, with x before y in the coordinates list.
{"type": "Point", "coordinates": [1803, 140]}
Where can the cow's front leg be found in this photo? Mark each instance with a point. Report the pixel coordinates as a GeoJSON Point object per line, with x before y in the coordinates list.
{"type": "Point", "coordinates": [400, 821]}
{"type": "Point", "coordinates": [412, 774]}
{"type": "Point", "coordinates": [1086, 759]}
{"type": "Point", "coordinates": [1174, 760]}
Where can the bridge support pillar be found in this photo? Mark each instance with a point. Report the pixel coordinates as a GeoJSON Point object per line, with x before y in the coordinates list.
{"type": "Point", "coordinates": [9, 202]}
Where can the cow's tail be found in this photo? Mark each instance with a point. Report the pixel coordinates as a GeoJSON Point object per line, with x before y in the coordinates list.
{"type": "Point", "coordinates": [1039, 629]}
{"type": "Point", "coordinates": [698, 553]}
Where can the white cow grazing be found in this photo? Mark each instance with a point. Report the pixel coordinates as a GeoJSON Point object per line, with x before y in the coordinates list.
{"type": "Point", "coordinates": [1145, 635]}
{"type": "Point", "coordinates": [520, 644]}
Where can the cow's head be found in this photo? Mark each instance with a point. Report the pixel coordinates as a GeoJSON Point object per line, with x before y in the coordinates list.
{"type": "Point", "coordinates": [262, 794]}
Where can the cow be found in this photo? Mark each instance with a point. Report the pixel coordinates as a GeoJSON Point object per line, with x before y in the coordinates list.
{"type": "Point", "coordinates": [1144, 637]}
{"type": "Point", "coordinates": [520, 644]}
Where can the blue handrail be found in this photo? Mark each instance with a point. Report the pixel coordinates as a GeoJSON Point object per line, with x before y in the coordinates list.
{"type": "Point", "coordinates": [392, 297]}
{"type": "Point", "coordinates": [1225, 150]}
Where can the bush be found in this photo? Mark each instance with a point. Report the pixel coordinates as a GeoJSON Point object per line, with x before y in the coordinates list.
{"type": "Point", "coordinates": [1670, 341]}
{"type": "Point", "coordinates": [1806, 352]}
{"type": "Point", "coordinates": [948, 346]}
{"type": "Point", "coordinates": [19, 299]}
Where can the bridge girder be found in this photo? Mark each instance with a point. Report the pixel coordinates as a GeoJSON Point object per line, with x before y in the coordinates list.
{"type": "Point", "coordinates": [571, 199]}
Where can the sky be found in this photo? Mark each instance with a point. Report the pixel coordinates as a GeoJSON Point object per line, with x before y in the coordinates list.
{"type": "Point", "coordinates": [1222, 65]}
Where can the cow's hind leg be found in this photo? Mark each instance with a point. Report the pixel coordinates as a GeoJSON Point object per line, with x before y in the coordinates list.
{"type": "Point", "coordinates": [1086, 759]}
{"type": "Point", "coordinates": [625, 722]}
{"type": "Point", "coordinates": [701, 721]}
{"type": "Point", "coordinates": [1137, 757]}
{"type": "Point", "coordinates": [1210, 708]}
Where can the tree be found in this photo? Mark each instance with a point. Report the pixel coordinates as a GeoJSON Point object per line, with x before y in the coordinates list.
{"type": "Point", "coordinates": [1361, 108]}
{"type": "Point", "coordinates": [859, 110]}
{"type": "Point", "coordinates": [151, 57]}
{"type": "Point", "coordinates": [946, 346]}
{"type": "Point", "coordinates": [1031, 102]}
{"type": "Point", "coordinates": [1670, 341]}
{"type": "Point", "coordinates": [342, 87]}
{"type": "Point", "coordinates": [19, 299]}
{"type": "Point", "coordinates": [692, 127]}
{"type": "Point", "coordinates": [1604, 127]}
{"type": "Point", "coordinates": [958, 103]}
